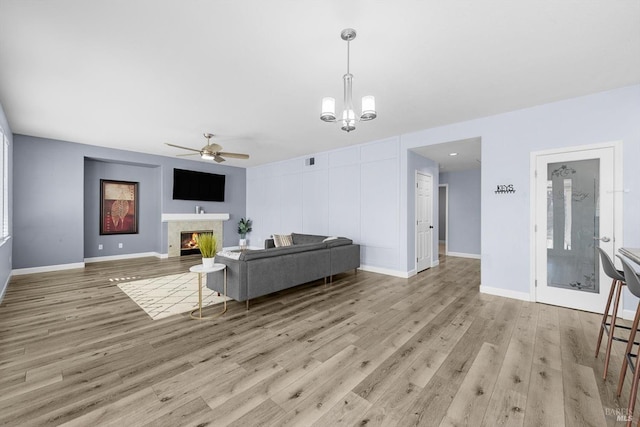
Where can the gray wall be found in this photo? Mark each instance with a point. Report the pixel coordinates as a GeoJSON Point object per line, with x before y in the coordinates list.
{"type": "Point", "coordinates": [49, 182]}
{"type": "Point", "coordinates": [7, 245]}
{"type": "Point", "coordinates": [415, 162]}
{"type": "Point", "coordinates": [149, 191]}
{"type": "Point", "coordinates": [464, 211]}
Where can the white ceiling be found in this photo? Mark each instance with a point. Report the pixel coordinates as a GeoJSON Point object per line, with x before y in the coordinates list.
{"type": "Point", "coordinates": [467, 154]}
{"type": "Point", "coordinates": [133, 74]}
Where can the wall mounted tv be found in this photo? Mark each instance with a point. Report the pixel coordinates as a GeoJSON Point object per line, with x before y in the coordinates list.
{"type": "Point", "coordinates": [192, 185]}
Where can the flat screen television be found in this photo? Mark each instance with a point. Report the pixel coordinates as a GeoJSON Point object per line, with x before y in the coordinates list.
{"type": "Point", "coordinates": [193, 185]}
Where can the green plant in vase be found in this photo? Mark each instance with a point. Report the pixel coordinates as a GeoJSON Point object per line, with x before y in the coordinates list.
{"type": "Point", "coordinates": [208, 244]}
{"type": "Point", "coordinates": [244, 227]}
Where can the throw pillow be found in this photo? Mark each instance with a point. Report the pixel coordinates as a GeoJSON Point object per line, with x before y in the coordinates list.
{"type": "Point", "coordinates": [282, 240]}
{"type": "Point", "coordinates": [330, 238]}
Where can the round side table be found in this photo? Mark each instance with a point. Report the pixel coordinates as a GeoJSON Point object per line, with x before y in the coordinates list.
{"type": "Point", "coordinates": [201, 269]}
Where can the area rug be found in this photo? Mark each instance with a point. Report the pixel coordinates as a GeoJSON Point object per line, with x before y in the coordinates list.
{"type": "Point", "coordinates": [164, 296]}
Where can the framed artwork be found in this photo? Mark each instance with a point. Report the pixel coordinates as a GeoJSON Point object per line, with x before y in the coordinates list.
{"type": "Point", "coordinates": [118, 207]}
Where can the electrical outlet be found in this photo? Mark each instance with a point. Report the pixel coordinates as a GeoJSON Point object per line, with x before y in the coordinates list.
{"type": "Point", "coordinates": [100, 247]}
{"type": "Point", "coordinates": [120, 245]}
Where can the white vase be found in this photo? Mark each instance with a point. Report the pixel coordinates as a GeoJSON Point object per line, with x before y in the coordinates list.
{"type": "Point", "coordinates": [208, 262]}
{"type": "Point", "coordinates": [243, 244]}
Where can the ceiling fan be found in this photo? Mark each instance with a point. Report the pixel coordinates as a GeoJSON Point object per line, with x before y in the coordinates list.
{"type": "Point", "coordinates": [211, 151]}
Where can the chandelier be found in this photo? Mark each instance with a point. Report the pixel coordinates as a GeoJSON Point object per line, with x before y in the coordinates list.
{"type": "Point", "coordinates": [348, 116]}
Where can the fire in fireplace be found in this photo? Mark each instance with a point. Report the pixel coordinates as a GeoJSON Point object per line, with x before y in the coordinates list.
{"type": "Point", "coordinates": [188, 244]}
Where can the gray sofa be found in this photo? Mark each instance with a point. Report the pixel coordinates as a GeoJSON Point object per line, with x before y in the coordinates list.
{"type": "Point", "coordinates": [262, 272]}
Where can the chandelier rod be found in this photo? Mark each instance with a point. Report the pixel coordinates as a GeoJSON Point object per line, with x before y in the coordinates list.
{"type": "Point", "coordinates": [348, 51]}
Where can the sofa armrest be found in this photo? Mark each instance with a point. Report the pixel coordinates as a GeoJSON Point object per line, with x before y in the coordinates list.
{"type": "Point", "coordinates": [236, 278]}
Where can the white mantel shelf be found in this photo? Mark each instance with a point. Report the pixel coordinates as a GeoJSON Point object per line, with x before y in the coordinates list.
{"type": "Point", "coordinates": [195, 217]}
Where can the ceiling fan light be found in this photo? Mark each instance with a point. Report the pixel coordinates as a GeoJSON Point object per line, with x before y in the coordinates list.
{"type": "Point", "coordinates": [206, 156]}
{"type": "Point", "coordinates": [368, 108]}
{"type": "Point", "coordinates": [328, 109]}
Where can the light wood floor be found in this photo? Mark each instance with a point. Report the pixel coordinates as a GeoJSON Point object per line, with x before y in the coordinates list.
{"type": "Point", "coordinates": [368, 350]}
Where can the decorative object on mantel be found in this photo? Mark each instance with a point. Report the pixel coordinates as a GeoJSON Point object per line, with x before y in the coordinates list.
{"type": "Point", "coordinates": [208, 245]}
{"type": "Point", "coordinates": [348, 116]}
{"type": "Point", "coordinates": [118, 207]}
{"type": "Point", "coordinates": [244, 227]}
{"type": "Point", "coordinates": [211, 151]}
{"type": "Point", "coordinates": [504, 189]}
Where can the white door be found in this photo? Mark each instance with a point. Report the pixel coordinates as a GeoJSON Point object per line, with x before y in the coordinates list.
{"type": "Point", "coordinates": [424, 222]}
{"type": "Point", "coordinates": [574, 206]}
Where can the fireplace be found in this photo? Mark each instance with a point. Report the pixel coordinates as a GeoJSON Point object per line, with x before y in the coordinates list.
{"type": "Point", "coordinates": [190, 223]}
{"type": "Point", "coordinates": [188, 244]}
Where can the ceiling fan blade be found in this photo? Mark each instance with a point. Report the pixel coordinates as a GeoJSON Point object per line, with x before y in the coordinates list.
{"type": "Point", "coordinates": [217, 158]}
{"type": "Point", "coordinates": [184, 148]}
{"type": "Point", "coordinates": [234, 155]}
{"type": "Point", "coordinates": [189, 154]}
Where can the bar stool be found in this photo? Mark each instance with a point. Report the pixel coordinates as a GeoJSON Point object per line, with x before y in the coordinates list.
{"type": "Point", "coordinates": [609, 327]}
{"type": "Point", "coordinates": [633, 283]}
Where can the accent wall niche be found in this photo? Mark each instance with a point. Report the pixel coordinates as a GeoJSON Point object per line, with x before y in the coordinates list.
{"type": "Point", "coordinates": [147, 240]}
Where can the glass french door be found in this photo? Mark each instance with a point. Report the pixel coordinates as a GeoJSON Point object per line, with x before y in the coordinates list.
{"type": "Point", "coordinates": [574, 215]}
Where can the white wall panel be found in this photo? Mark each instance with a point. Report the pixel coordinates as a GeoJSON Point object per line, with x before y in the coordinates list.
{"type": "Point", "coordinates": [386, 258]}
{"type": "Point", "coordinates": [315, 202]}
{"type": "Point", "coordinates": [380, 150]}
{"type": "Point", "coordinates": [291, 206]}
{"type": "Point", "coordinates": [344, 202]}
{"type": "Point", "coordinates": [341, 194]}
{"type": "Point", "coordinates": [344, 157]}
{"type": "Point", "coordinates": [289, 167]}
{"type": "Point", "coordinates": [379, 203]}
{"type": "Point", "coordinates": [270, 208]}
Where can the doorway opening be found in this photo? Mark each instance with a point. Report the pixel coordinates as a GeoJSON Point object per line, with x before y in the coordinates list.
{"type": "Point", "coordinates": [443, 219]}
{"type": "Point", "coordinates": [424, 221]}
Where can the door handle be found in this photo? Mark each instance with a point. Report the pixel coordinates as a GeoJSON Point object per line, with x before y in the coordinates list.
{"type": "Point", "coordinates": [604, 239]}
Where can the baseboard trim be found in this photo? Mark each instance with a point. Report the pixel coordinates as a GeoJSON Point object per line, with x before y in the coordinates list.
{"type": "Point", "coordinates": [507, 293]}
{"type": "Point", "coordinates": [463, 255]}
{"type": "Point", "coordinates": [388, 271]}
{"type": "Point", "coordinates": [47, 268]}
{"type": "Point", "coordinates": [124, 256]}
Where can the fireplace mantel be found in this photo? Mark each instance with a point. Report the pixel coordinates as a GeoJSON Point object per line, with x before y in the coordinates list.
{"type": "Point", "coordinates": [167, 217]}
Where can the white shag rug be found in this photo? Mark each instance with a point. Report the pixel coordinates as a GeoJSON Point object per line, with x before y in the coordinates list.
{"type": "Point", "coordinates": [168, 295]}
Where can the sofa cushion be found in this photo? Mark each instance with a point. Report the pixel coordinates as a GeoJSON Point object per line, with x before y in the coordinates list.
{"type": "Point", "coordinates": [284, 250]}
{"type": "Point", "coordinates": [303, 239]}
{"type": "Point", "coordinates": [281, 240]}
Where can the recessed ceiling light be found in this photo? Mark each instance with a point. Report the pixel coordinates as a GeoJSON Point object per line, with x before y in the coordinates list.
{"type": "Point", "coordinates": [453, 154]}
